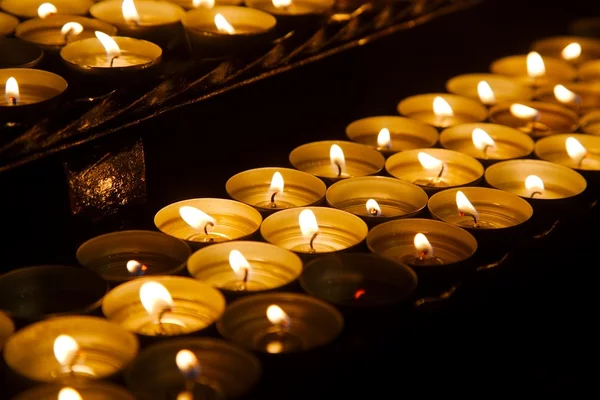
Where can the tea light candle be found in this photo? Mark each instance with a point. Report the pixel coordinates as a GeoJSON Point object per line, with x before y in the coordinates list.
{"type": "Point", "coordinates": [311, 230]}
{"type": "Point", "coordinates": [580, 97]}
{"type": "Point", "coordinates": [7, 327]}
{"type": "Point", "coordinates": [273, 189]}
{"type": "Point", "coordinates": [573, 49]}
{"type": "Point", "coordinates": [435, 169]}
{"type": "Point", "coordinates": [26, 9]}
{"type": "Point", "coordinates": [487, 142]}
{"type": "Point", "coordinates": [442, 110]}
{"type": "Point", "coordinates": [377, 199]}
{"type": "Point", "coordinates": [163, 306]}
{"type": "Point", "coordinates": [85, 390]}
{"type": "Point", "coordinates": [422, 243]}
{"type": "Point", "coordinates": [335, 160]}
{"type": "Point", "coordinates": [126, 255]}
{"type": "Point", "coordinates": [206, 221]}
{"type": "Point", "coordinates": [390, 135]}
{"type": "Point", "coordinates": [577, 151]}
{"type": "Point", "coordinates": [220, 31]}
{"type": "Point", "coordinates": [280, 323]}
{"type": "Point", "coordinates": [589, 71]}
{"type": "Point", "coordinates": [191, 4]}
{"type": "Point", "coordinates": [15, 53]}
{"type": "Point", "coordinates": [489, 89]}
{"type": "Point", "coordinates": [245, 266]}
{"type": "Point", "coordinates": [156, 21]}
{"type": "Point", "coordinates": [294, 14]}
{"type": "Point", "coordinates": [536, 118]}
{"type": "Point", "coordinates": [198, 368]}
{"type": "Point", "coordinates": [349, 280]}
{"type": "Point", "coordinates": [70, 347]}
{"type": "Point", "coordinates": [590, 122]}
{"type": "Point", "coordinates": [534, 70]}
{"type": "Point", "coordinates": [8, 23]}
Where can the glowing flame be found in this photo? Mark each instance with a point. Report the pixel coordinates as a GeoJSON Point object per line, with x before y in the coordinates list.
{"type": "Point", "coordinates": [535, 65]}
{"type": "Point", "coordinates": [336, 156]}
{"type": "Point", "coordinates": [277, 183]}
{"type": "Point", "coordinates": [277, 316]}
{"type": "Point", "coordinates": [134, 266]}
{"type": "Point", "coordinates": [422, 244]}
{"type": "Point", "coordinates": [383, 138]}
{"type": "Point", "coordinates": [155, 298]}
{"type": "Point", "coordinates": [185, 396]}
{"type": "Point", "coordinates": [571, 51]}
{"type": "Point", "coordinates": [481, 139]}
{"type": "Point", "coordinates": [68, 393]}
{"type": "Point", "coordinates": [66, 350]}
{"type": "Point", "coordinates": [441, 108]}
{"type": "Point", "coordinates": [524, 112]}
{"type": "Point", "coordinates": [534, 183]}
{"type": "Point", "coordinates": [109, 44]}
{"type": "Point", "coordinates": [429, 162]}
{"type": "Point", "coordinates": [575, 150]}
{"type": "Point", "coordinates": [204, 3]}
{"type": "Point", "coordinates": [308, 223]}
{"type": "Point", "coordinates": [485, 93]}
{"type": "Point", "coordinates": [71, 28]}
{"type": "Point", "coordinates": [238, 263]}
{"type": "Point", "coordinates": [188, 364]}
{"type": "Point", "coordinates": [464, 205]}
{"type": "Point", "coordinates": [223, 25]}
{"type": "Point", "coordinates": [130, 13]}
{"type": "Point", "coordinates": [282, 3]}
{"type": "Point", "coordinates": [373, 207]}
{"type": "Point", "coordinates": [46, 9]}
{"type": "Point", "coordinates": [564, 95]}
{"type": "Point", "coordinates": [195, 218]}
{"type": "Point", "coordinates": [11, 93]}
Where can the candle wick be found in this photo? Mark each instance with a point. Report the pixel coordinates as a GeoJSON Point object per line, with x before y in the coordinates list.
{"type": "Point", "coordinates": [210, 239]}
{"type": "Point", "coordinates": [312, 241]}
{"type": "Point", "coordinates": [534, 193]}
{"type": "Point", "coordinates": [13, 100]}
{"type": "Point", "coordinates": [466, 214]}
{"type": "Point", "coordinates": [160, 317]}
{"type": "Point", "coordinates": [339, 167]}
{"type": "Point", "coordinates": [273, 205]}
{"type": "Point", "coordinates": [374, 211]}
{"type": "Point", "coordinates": [423, 254]}
{"type": "Point", "coordinates": [112, 60]}
{"type": "Point", "coordinates": [441, 171]}
{"type": "Point", "coordinates": [244, 280]}
{"type": "Point", "coordinates": [67, 35]}
{"type": "Point", "coordinates": [485, 149]}
{"type": "Point", "coordinates": [582, 158]}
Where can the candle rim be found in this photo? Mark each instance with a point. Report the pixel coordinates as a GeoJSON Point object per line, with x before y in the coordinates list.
{"type": "Point", "coordinates": [21, 74]}
{"type": "Point", "coordinates": [25, 11]}
{"type": "Point", "coordinates": [110, 11]}
{"type": "Point", "coordinates": [189, 20]}
{"type": "Point", "coordinates": [320, 6]}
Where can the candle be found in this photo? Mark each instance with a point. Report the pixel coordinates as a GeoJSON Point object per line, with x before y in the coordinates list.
{"type": "Point", "coordinates": [335, 160]}
{"type": "Point", "coordinates": [489, 89]}
{"type": "Point", "coordinates": [163, 306]}
{"type": "Point", "coordinates": [7, 327]}
{"type": "Point", "coordinates": [25, 9]}
{"type": "Point", "coordinates": [573, 49]}
{"type": "Point", "coordinates": [534, 70]}
{"type": "Point", "coordinates": [122, 256]}
{"type": "Point", "coordinates": [435, 169]}
{"type": "Point", "coordinates": [358, 280]}
{"type": "Point", "coordinates": [577, 151]}
{"type": "Point", "coordinates": [272, 189]}
{"type": "Point", "coordinates": [280, 323]}
{"type": "Point", "coordinates": [590, 122]}
{"type": "Point", "coordinates": [589, 71]}
{"type": "Point", "coordinates": [487, 142]}
{"type": "Point", "coordinates": [156, 21]}
{"type": "Point", "coordinates": [442, 110]}
{"type": "Point", "coordinates": [70, 347]}
{"type": "Point", "coordinates": [289, 8]}
{"type": "Point", "coordinates": [8, 23]}
{"type": "Point", "coordinates": [580, 97]}
{"type": "Point", "coordinates": [390, 135]}
{"type": "Point", "coordinates": [206, 368]}
{"type": "Point", "coordinates": [76, 391]}
{"type": "Point", "coordinates": [221, 31]}
{"type": "Point", "coordinates": [245, 266]}
{"type": "Point", "coordinates": [377, 199]}
{"type": "Point", "coordinates": [15, 53]}
{"type": "Point", "coordinates": [536, 118]}
{"type": "Point", "coordinates": [191, 4]}
{"type": "Point", "coordinates": [312, 230]}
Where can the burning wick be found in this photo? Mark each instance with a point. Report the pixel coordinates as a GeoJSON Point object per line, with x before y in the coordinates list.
{"type": "Point", "coordinates": [136, 268]}
{"type": "Point", "coordinates": [373, 207]}
{"type": "Point", "coordinates": [71, 28]}
{"type": "Point", "coordinates": [278, 317]}
{"type": "Point", "coordinates": [336, 155]}
{"type": "Point", "coordinates": [466, 209]}
{"type": "Point", "coordinates": [468, 214]}
{"type": "Point", "coordinates": [576, 151]}
{"type": "Point", "coordinates": [535, 183]}
{"type": "Point", "coordinates": [312, 241]}
{"type": "Point", "coordinates": [130, 13]}
{"type": "Point", "coordinates": [67, 352]}
{"type": "Point", "coordinates": [309, 226]}
{"type": "Point", "coordinates": [157, 301]}
{"type": "Point", "coordinates": [188, 365]}
{"type": "Point", "coordinates": [277, 185]}
{"type": "Point", "coordinates": [240, 266]}
{"type": "Point", "coordinates": [359, 293]}
{"type": "Point", "coordinates": [212, 225]}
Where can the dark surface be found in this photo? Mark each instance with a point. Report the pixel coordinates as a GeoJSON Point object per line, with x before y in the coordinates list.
{"type": "Point", "coordinates": [525, 329]}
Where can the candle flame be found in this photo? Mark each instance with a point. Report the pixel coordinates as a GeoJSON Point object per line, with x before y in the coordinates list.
{"type": "Point", "coordinates": [422, 244]}
{"type": "Point", "coordinates": [203, 3]}
{"type": "Point", "coordinates": [71, 28]}
{"type": "Point", "coordinates": [534, 183]}
{"type": "Point", "coordinates": [277, 183]}
{"type": "Point", "coordinates": [66, 350]}
{"type": "Point", "coordinates": [282, 3]}
{"type": "Point", "coordinates": [109, 44]}
{"type": "Point", "coordinates": [134, 266]}
{"type": "Point", "coordinates": [564, 95]}
{"type": "Point", "coordinates": [46, 9]}
{"type": "Point", "coordinates": [535, 65]}
{"type": "Point", "coordinates": [308, 223]}
{"type": "Point", "coordinates": [185, 395]}
{"type": "Point", "coordinates": [464, 205]}
{"type": "Point", "coordinates": [130, 13]}
{"type": "Point", "coordinates": [383, 138]}
{"type": "Point", "coordinates": [575, 150]}
{"type": "Point", "coordinates": [373, 207]}
{"type": "Point", "coordinates": [188, 364]}
{"type": "Point", "coordinates": [485, 93]}
{"type": "Point", "coordinates": [571, 51]}
{"type": "Point", "coordinates": [11, 92]}
{"type": "Point", "coordinates": [155, 298]}
{"type": "Point", "coordinates": [238, 263]}
{"type": "Point", "coordinates": [337, 158]}
{"type": "Point", "coordinates": [429, 162]}
{"type": "Point", "coordinates": [441, 108]}
{"type": "Point", "coordinates": [481, 139]}
{"type": "Point", "coordinates": [277, 316]}
{"type": "Point", "coordinates": [223, 25]}
{"type": "Point", "coordinates": [524, 112]}
{"type": "Point", "coordinates": [68, 393]}
{"type": "Point", "coordinates": [195, 218]}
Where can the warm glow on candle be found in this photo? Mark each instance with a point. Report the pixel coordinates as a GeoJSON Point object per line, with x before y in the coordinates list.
{"type": "Point", "coordinates": [188, 364]}
{"type": "Point", "coordinates": [111, 47]}
{"type": "Point", "coordinates": [282, 3]}
{"type": "Point", "coordinates": [155, 298]}
{"type": "Point", "coordinates": [535, 65]}
{"type": "Point", "coordinates": [11, 93]}
{"type": "Point", "coordinates": [564, 95]}
{"type": "Point", "coordinates": [524, 112]}
{"type": "Point", "coordinates": [66, 350]}
{"type": "Point", "coordinates": [429, 162]}
{"type": "Point", "coordinates": [422, 244]}
{"type": "Point", "coordinates": [46, 9]}
{"type": "Point", "coordinates": [130, 13]}
{"type": "Point", "coordinates": [383, 138]}
{"type": "Point", "coordinates": [68, 393]}
{"type": "Point", "coordinates": [485, 93]}
{"type": "Point", "coordinates": [308, 223]}
{"type": "Point", "coordinates": [223, 25]}
{"type": "Point", "coordinates": [575, 150]}
{"type": "Point", "coordinates": [239, 264]}
{"type": "Point", "coordinates": [464, 205]}
{"type": "Point", "coordinates": [571, 51]}
{"type": "Point", "coordinates": [71, 28]}
{"type": "Point", "coordinates": [185, 396]}
{"type": "Point", "coordinates": [134, 266]}
{"type": "Point", "coordinates": [204, 3]}
{"type": "Point", "coordinates": [441, 108]}
{"type": "Point", "coordinates": [481, 139]}
{"type": "Point", "coordinates": [277, 316]}
{"type": "Point", "coordinates": [195, 218]}
{"type": "Point", "coordinates": [373, 207]}
{"type": "Point", "coordinates": [534, 183]}
{"type": "Point", "coordinates": [277, 183]}
{"type": "Point", "coordinates": [338, 161]}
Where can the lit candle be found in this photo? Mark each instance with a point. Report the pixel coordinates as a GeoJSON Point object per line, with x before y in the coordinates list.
{"type": "Point", "coordinates": [26, 9]}
{"type": "Point", "coordinates": [535, 118]}
{"type": "Point", "coordinates": [466, 209]}
{"type": "Point", "coordinates": [571, 52]}
{"type": "Point", "coordinates": [576, 151]}
{"type": "Point", "coordinates": [69, 356]}
{"type": "Point", "coordinates": [157, 301]}
{"type": "Point", "coordinates": [580, 97]}
{"type": "Point", "coordinates": [489, 89]}
{"type": "Point", "coordinates": [188, 364]}
{"type": "Point", "coordinates": [338, 161]}
{"type": "Point", "coordinates": [27, 88]}
{"type": "Point", "coordinates": [534, 185]}
{"type": "Point", "coordinates": [287, 9]}
{"type": "Point", "coordinates": [536, 67]}
{"type": "Point", "coordinates": [572, 49]}
{"type": "Point", "coordinates": [534, 70]}
{"type": "Point", "coordinates": [442, 110]}
{"type": "Point", "coordinates": [485, 93]}
{"type": "Point", "coordinates": [201, 222]}
{"type": "Point", "coordinates": [431, 164]}
{"type": "Point", "coordinates": [241, 267]}
{"type": "Point", "coordinates": [424, 253]}
{"type": "Point", "coordinates": [309, 227]}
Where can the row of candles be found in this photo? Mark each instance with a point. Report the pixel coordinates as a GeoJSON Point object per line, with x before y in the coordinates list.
{"type": "Point", "coordinates": [284, 207]}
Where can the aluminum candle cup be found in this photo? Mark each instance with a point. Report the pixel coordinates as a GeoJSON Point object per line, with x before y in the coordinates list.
{"type": "Point", "coordinates": [580, 97]}
{"type": "Point", "coordinates": [537, 119]}
{"type": "Point", "coordinates": [279, 323]}
{"type": "Point", "coordinates": [121, 256]}
{"type": "Point", "coordinates": [474, 139]}
{"type": "Point", "coordinates": [34, 293]}
{"type": "Point", "coordinates": [261, 267]}
{"type": "Point", "coordinates": [156, 21]}
{"type": "Point", "coordinates": [556, 70]}
{"type": "Point", "coordinates": [376, 199]}
{"type": "Point", "coordinates": [503, 88]}
{"type": "Point", "coordinates": [325, 160]}
{"type": "Point", "coordinates": [219, 220]}
{"type": "Point", "coordinates": [86, 389]}
{"type": "Point", "coordinates": [260, 189]}
{"type": "Point", "coordinates": [94, 349]}
{"type": "Point", "coordinates": [186, 306]}
{"type": "Point", "coordinates": [573, 49]}
{"type": "Point", "coordinates": [296, 230]}
{"type": "Point", "coordinates": [402, 134]}
{"type": "Point", "coordinates": [7, 327]}
{"type": "Point", "coordinates": [442, 110]}
{"type": "Point", "coordinates": [436, 169]}
{"type": "Point", "coordinates": [239, 29]}
{"type": "Point", "coordinates": [189, 4]}
{"type": "Point", "coordinates": [225, 371]}
{"type": "Point", "coordinates": [8, 23]}
{"type": "Point", "coordinates": [26, 9]}
{"type": "Point", "coordinates": [297, 14]}
{"type": "Point", "coordinates": [590, 122]}
{"type": "Point", "coordinates": [15, 53]}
